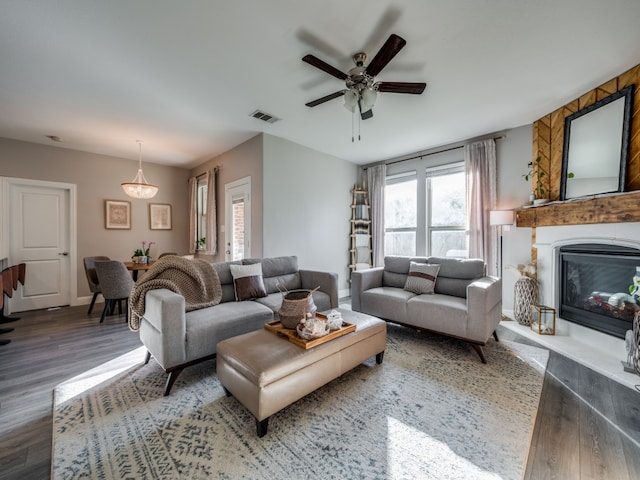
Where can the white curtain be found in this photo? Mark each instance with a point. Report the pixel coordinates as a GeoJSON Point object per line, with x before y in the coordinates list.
{"type": "Point", "coordinates": [376, 178]}
{"type": "Point", "coordinates": [211, 233]}
{"type": "Point", "coordinates": [193, 213]}
{"type": "Point", "coordinates": [480, 168]}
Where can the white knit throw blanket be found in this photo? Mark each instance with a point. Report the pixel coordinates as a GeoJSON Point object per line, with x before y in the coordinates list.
{"type": "Point", "coordinates": [196, 280]}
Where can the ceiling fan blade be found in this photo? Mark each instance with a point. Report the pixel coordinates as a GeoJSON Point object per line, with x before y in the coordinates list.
{"type": "Point", "coordinates": [402, 87]}
{"type": "Point", "coordinates": [389, 50]}
{"type": "Point", "coordinates": [324, 66]}
{"type": "Point", "coordinates": [325, 99]}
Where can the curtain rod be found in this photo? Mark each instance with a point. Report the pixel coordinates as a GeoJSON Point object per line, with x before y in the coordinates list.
{"type": "Point", "coordinates": [215, 169]}
{"type": "Point", "coordinates": [444, 150]}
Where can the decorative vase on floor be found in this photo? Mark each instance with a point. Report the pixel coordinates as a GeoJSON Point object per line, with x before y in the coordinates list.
{"type": "Point", "coordinates": [525, 295]}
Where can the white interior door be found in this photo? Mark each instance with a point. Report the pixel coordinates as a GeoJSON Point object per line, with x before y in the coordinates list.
{"type": "Point", "coordinates": [39, 235]}
{"type": "Point", "coordinates": [237, 199]}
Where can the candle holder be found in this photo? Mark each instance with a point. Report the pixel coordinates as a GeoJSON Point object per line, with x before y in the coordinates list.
{"type": "Point", "coordinates": [543, 320]}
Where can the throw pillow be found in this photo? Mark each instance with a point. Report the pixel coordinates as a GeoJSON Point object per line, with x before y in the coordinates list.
{"type": "Point", "coordinates": [422, 277]}
{"type": "Point", "coordinates": [247, 281]}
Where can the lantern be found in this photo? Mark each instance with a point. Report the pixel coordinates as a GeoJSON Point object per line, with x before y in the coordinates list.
{"type": "Point", "coordinates": [543, 320]}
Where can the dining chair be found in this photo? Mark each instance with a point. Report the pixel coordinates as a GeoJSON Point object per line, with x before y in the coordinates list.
{"type": "Point", "coordinates": [166, 253]}
{"type": "Point", "coordinates": [3, 341]}
{"type": "Point", "coordinates": [12, 276]}
{"type": "Point", "coordinates": [92, 277]}
{"type": "Point", "coordinates": [116, 284]}
{"type": "Point", "coordinates": [7, 289]}
{"type": "Point", "coordinates": [9, 284]}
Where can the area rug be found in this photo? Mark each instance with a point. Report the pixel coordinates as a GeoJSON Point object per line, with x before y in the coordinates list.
{"type": "Point", "coordinates": [432, 410]}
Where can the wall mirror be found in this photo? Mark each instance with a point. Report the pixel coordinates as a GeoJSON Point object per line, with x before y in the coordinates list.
{"type": "Point", "coordinates": [596, 146]}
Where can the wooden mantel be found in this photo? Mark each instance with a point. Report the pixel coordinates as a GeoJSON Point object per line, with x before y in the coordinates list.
{"type": "Point", "coordinates": [616, 208]}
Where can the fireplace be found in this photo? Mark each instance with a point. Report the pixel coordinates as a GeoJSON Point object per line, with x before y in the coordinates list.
{"type": "Point", "coordinates": [594, 286]}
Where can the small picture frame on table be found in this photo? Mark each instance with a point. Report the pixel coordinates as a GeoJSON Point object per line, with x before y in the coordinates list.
{"type": "Point", "coordinates": [117, 215]}
{"type": "Point", "coordinates": [160, 216]}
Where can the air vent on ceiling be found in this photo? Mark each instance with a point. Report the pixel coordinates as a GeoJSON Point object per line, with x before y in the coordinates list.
{"type": "Point", "coordinates": [264, 117]}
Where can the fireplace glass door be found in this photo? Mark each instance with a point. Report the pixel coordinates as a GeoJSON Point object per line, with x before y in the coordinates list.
{"type": "Point", "coordinates": [597, 288]}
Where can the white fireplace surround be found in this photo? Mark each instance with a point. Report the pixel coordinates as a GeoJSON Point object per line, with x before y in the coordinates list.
{"type": "Point", "coordinates": [598, 351]}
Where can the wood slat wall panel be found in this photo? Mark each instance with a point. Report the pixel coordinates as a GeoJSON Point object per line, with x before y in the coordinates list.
{"type": "Point", "coordinates": [548, 142]}
{"type": "Point", "coordinates": [606, 89]}
{"type": "Point", "coordinates": [587, 99]}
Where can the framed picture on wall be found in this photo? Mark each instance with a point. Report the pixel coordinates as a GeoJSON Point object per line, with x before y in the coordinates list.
{"type": "Point", "coordinates": [117, 214]}
{"type": "Point", "coordinates": [160, 216]}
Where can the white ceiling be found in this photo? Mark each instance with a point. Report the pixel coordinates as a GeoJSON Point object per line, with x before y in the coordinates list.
{"type": "Point", "coordinates": [184, 76]}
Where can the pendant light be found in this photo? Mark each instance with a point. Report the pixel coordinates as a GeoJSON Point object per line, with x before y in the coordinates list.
{"type": "Point", "coordinates": [139, 187]}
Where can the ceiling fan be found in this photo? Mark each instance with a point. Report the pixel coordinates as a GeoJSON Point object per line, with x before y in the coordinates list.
{"type": "Point", "coordinates": [360, 81]}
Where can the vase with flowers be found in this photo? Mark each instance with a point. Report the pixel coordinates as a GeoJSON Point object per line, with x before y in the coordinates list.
{"type": "Point", "coordinates": [142, 255]}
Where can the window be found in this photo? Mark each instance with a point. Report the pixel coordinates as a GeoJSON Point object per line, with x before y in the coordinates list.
{"type": "Point", "coordinates": [446, 211]}
{"type": "Point", "coordinates": [201, 211]}
{"type": "Point", "coordinates": [400, 214]}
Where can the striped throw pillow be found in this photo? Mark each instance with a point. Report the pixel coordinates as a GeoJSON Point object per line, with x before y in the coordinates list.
{"type": "Point", "coordinates": [422, 277]}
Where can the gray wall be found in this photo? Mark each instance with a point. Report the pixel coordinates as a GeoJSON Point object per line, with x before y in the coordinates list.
{"type": "Point", "coordinates": [98, 177]}
{"type": "Point", "coordinates": [245, 160]}
{"type": "Point", "coordinates": [513, 154]}
{"type": "Point", "coordinates": [307, 207]}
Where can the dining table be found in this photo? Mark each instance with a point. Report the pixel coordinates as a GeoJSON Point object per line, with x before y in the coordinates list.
{"type": "Point", "coordinates": [138, 267]}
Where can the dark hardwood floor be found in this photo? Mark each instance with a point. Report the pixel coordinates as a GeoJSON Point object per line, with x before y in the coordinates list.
{"type": "Point", "coordinates": [588, 427]}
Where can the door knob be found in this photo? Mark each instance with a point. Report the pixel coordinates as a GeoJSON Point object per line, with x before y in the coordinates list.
{"type": "Point", "coordinates": [64, 253]}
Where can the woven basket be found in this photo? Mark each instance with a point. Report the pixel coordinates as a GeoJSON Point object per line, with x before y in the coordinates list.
{"type": "Point", "coordinates": [295, 306]}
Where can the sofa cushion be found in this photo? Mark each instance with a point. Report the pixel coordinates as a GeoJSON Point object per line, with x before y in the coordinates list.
{"type": "Point", "coordinates": [389, 303]}
{"type": "Point", "coordinates": [422, 277]}
{"type": "Point", "coordinates": [456, 274]}
{"type": "Point", "coordinates": [247, 280]}
{"type": "Point", "coordinates": [206, 327]}
{"type": "Point", "coordinates": [396, 270]}
{"type": "Point", "coordinates": [226, 280]}
{"type": "Point", "coordinates": [440, 313]}
{"type": "Point", "coordinates": [279, 273]}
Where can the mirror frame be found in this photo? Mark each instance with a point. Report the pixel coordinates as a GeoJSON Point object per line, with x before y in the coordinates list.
{"type": "Point", "coordinates": [626, 93]}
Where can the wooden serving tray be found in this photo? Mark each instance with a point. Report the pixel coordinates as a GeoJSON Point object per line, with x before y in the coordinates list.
{"type": "Point", "coordinates": [277, 328]}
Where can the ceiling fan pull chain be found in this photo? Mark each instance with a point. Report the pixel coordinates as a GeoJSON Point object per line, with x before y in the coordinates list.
{"type": "Point", "coordinates": [353, 128]}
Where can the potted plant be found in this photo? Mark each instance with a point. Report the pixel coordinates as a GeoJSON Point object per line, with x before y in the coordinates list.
{"type": "Point", "coordinates": [141, 255]}
{"type": "Point", "coordinates": [537, 173]}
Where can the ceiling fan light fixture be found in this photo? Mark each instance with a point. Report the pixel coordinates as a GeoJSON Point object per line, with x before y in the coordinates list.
{"type": "Point", "coordinates": [139, 187]}
{"type": "Point", "coordinates": [369, 97]}
{"type": "Point", "coordinates": [351, 98]}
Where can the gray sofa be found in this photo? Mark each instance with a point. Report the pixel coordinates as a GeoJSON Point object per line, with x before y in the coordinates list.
{"type": "Point", "coordinates": [177, 339]}
{"type": "Point", "coordinates": [466, 304]}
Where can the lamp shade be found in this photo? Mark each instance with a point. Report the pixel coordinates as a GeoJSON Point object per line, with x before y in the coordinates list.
{"type": "Point", "coordinates": [501, 217]}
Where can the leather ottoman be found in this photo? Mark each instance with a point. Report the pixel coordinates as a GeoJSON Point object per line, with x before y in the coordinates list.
{"type": "Point", "coordinates": [266, 372]}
